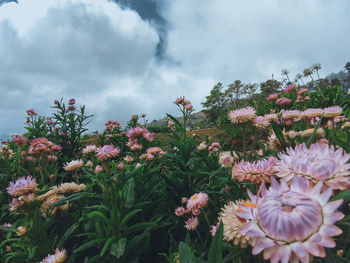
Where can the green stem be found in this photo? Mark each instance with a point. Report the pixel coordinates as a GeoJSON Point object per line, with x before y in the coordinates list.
{"type": "Point", "coordinates": [206, 218]}
{"type": "Point", "coordinates": [244, 142]}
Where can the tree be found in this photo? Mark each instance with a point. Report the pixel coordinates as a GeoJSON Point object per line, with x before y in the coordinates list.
{"type": "Point", "coordinates": [214, 103]}
{"type": "Point", "coordinates": [234, 91]}
{"type": "Point", "coordinates": [347, 67]}
{"type": "Point", "coordinates": [270, 86]}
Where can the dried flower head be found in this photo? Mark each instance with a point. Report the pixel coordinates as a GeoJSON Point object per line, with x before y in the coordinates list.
{"type": "Point", "coordinates": [73, 165]}
{"type": "Point", "coordinates": [242, 115]}
{"type": "Point", "coordinates": [23, 186]}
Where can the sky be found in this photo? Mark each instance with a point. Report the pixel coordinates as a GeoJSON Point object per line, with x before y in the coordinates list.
{"type": "Point", "coordinates": [127, 57]}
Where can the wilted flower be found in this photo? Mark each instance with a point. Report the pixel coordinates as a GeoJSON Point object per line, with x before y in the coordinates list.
{"type": "Point", "coordinates": [15, 204]}
{"type": "Point", "coordinates": [309, 132]}
{"type": "Point", "coordinates": [319, 163]}
{"type": "Point", "coordinates": [192, 223]}
{"type": "Point", "coordinates": [197, 201]}
{"type": "Point", "coordinates": [23, 186]}
{"type": "Point", "coordinates": [106, 152]}
{"type": "Point", "coordinates": [73, 165]}
{"type": "Point", "coordinates": [293, 223]}
{"type": "Point", "coordinates": [242, 115]}
{"type": "Point", "coordinates": [60, 256]}
{"type": "Point", "coordinates": [255, 172]}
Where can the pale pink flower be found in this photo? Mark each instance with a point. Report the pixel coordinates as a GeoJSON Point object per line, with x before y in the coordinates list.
{"type": "Point", "coordinates": [196, 212]}
{"type": "Point", "coordinates": [233, 216]}
{"type": "Point", "coordinates": [155, 150]}
{"type": "Point", "coordinates": [307, 98]}
{"type": "Point", "coordinates": [202, 146]}
{"type": "Point", "coordinates": [137, 165]}
{"type": "Point", "coordinates": [98, 169]}
{"type": "Point", "coordinates": [242, 115]}
{"type": "Point", "coordinates": [214, 147]}
{"type": "Point", "coordinates": [179, 211]}
{"type": "Point", "coordinates": [52, 158]}
{"type": "Point", "coordinates": [333, 111]}
{"type": "Point", "coordinates": [312, 113]}
{"type": "Point", "coordinates": [15, 204]}
{"type": "Point", "coordinates": [60, 256]}
{"type": "Point", "coordinates": [283, 101]}
{"type": "Point", "coordinates": [260, 122]}
{"type": "Point", "coordinates": [30, 112]}
{"type": "Point", "coordinates": [255, 172]}
{"type": "Point", "coordinates": [89, 148]}
{"type": "Point", "coordinates": [89, 164]}
{"type": "Point", "coordinates": [73, 165]}
{"type": "Point", "coordinates": [22, 186]}
{"type": "Point", "coordinates": [184, 200]}
{"type": "Point", "coordinates": [197, 201]}
{"type": "Point", "coordinates": [214, 228]}
{"type": "Point", "coordinates": [320, 162]}
{"type": "Point", "coordinates": [272, 96]}
{"type": "Point", "coordinates": [290, 88]}
{"type": "Point", "coordinates": [290, 114]}
{"type": "Point", "coordinates": [128, 159]}
{"type": "Point", "coordinates": [188, 107]}
{"type": "Point", "coordinates": [271, 117]}
{"type": "Point", "coordinates": [226, 159]}
{"type": "Point", "coordinates": [192, 223]}
{"type": "Point", "coordinates": [171, 123]}
{"type": "Point", "coordinates": [107, 152]}
{"type": "Point", "coordinates": [293, 223]}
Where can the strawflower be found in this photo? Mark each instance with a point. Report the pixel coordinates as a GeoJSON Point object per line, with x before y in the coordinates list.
{"type": "Point", "coordinates": [293, 223]}
{"type": "Point", "coordinates": [242, 115]}
{"type": "Point", "coordinates": [23, 186]}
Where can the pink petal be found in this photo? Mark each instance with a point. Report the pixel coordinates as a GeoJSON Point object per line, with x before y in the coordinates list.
{"type": "Point", "coordinates": [252, 230]}
{"type": "Point", "coordinates": [315, 249]}
{"type": "Point", "coordinates": [327, 242]}
{"type": "Point", "coordinates": [330, 230]}
{"type": "Point", "coordinates": [332, 218]}
{"type": "Point", "coordinates": [299, 249]}
{"type": "Point", "coordinates": [261, 244]}
{"type": "Point", "coordinates": [332, 206]}
{"type": "Point", "coordinates": [324, 197]}
{"type": "Point", "coordinates": [316, 190]}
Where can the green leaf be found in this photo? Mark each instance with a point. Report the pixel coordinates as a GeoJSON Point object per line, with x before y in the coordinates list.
{"type": "Point", "coordinates": [215, 250]}
{"type": "Point", "coordinates": [129, 216]}
{"type": "Point", "coordinates": [279, 134]}
{"type": "Point", "coordinates": [345, 195]}
{"type": "Point", "coordinates": [88, 245]}
{"type": "Point", "coordinates": [98, 215]}
{"type": "Point", "coordinates": [128, 193]}
{"type": "Point", "coordinates": [67, 234]}
{"type": "Point", "coordinates": [185, 254]}
{"type": "Point", "coordinates": [106, 245]}
{"type": "Point", "coordinates": [118, 248]}
{"type": "Point", "coordinates": [310, 140]}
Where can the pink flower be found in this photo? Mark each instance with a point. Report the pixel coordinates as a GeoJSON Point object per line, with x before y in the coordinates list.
{"type": "Point", "coordinates": [272, 96]}
{"type": "Point", "coordinates": [283, 101]}
{"type": "Point", "coordinates": [242, 115]}
{"type": "Point", "coordinates": [107, 152]}
{"type": "Point", "coordinates": [184, 200]}
{"type": "Point", "coordinates": [120, 166]}
{"type": "Point", "coordinates": [260, 122]}
{"type": "Point", "coordinates": [312, 112]}
{"type": "Point", "coordinates": [197, 201]}
{"type": "Point", "coordinates": [189, 107]}
{"type": "Point", "coordinates": [293, 223]}
{"type": "Point", "coordinates": [255, 172]}
{"type": "Point", "coordinates": [179, 211]}
{"type": "Point", "coordinates": [20, 140]}
{"type": "Point", "coordinates": [319, 163]}
{"type": "Point", "coordinates": [71, 102]}
{"type": "Point", "coordinates": [192, 223]}
{"type": "Point", "coordinates": [214, 147]}
{"type": "Point", "coordinates": [22, 186]}
{"type": "Point", "coordinates": [290, 114]}
{"type": "Point", "coordinates": [290, 88]}
{"type": "Point", "coordinates": [214, 228]}
{"type": "Point", "coordinates": [171, 123]}
{"type": "Point", "coordinates": [226, 160]}
{"type": "Point", "coordinates": [60, 256]}
{"type": "Point", "coordinates": [179, 100]}
{"type": "Point", "coordinates": [302, 91]}
{"type": "Point", "coordinates": [30, 112]}
{"type": "Point", "coordinates": [128, 159]}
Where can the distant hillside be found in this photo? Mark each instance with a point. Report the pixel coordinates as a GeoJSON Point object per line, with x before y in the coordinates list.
{"type": "Point", "coordinates": [196, 120]}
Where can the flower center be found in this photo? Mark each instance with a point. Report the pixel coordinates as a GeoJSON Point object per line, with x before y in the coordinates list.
{"type": "Point", "coordinates": [289, 216]}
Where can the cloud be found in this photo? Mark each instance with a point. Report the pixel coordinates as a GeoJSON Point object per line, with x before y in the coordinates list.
{"type": "Point", "coordinates": [122, 59]}
{"type": "Point", "coordinates": [84, 49]}
{"type": "Point", "coordinates": [251, 40]}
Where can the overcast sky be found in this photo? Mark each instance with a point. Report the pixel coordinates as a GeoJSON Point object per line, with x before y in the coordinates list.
{"type": "Point", "coordinates": [129, 57]}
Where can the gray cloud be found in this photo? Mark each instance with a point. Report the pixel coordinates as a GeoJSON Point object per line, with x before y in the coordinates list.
{"type": "Point", "coordinates": [125, 57]}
